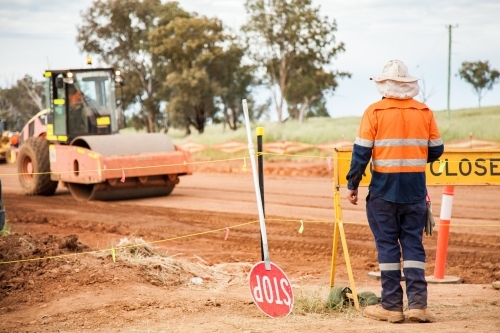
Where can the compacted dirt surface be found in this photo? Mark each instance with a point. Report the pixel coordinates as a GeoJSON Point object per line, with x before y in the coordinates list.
{"type": "Point", "coordinates": [180, 263]}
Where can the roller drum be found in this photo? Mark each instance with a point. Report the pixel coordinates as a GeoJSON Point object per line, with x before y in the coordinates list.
{"type": "Point", "coordinates": [132, 188]}
{"type": "Point", "coordinates": [123, 144]}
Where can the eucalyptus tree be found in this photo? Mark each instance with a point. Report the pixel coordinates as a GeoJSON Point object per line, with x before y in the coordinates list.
{"type": "Point", "coordinates": [480, 76]}
{"type": "Point", "coordinates": [290, 41]}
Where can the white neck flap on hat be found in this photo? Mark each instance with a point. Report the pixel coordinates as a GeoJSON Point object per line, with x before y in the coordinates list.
{"type": "Point", "coordinates": [398, 90]}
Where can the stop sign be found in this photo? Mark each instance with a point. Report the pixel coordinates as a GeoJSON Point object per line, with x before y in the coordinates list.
{"type": "Point", "coordinates": [271, 290]}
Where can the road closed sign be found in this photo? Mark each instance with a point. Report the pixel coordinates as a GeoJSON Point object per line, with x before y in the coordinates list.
{"type": "Point", "coordinates": [454, 167]}
{"type": "Point", "coordinates": [271, 290]}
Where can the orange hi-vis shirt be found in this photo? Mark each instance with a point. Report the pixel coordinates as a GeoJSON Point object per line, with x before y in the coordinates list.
{"type": "Point", "coordinates": [400, 137]}
{"type": "Point", "coordinates": [14, 140]}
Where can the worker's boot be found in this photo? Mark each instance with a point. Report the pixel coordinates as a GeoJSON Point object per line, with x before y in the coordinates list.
{"type": "Point", "coordinates": [377, 312]}
{"type": "Point", "coordinates": [421, 316]}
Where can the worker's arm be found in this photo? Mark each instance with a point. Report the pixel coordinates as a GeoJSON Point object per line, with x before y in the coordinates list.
{"type": "Point", "coordinates": [361, 153]}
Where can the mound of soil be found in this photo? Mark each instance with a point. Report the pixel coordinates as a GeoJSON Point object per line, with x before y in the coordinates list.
{"type": "Point", "coordinates": [277, 168]}
{"type": "Point", "coordinates": [20, 272]}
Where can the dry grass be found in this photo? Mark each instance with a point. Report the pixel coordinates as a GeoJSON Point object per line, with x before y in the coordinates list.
{"type": "Point", "coordinates": [314, 302]}
{"type": "Point", "coordinates": [165, 270]}
{"type": "Point", "coordinates": [5, 230]}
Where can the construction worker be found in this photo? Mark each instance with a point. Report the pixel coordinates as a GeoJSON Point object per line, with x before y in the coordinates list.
{"type": "Point", "coordinates": [14, 140]}
{"type": "Point", "coordinates": [400, 135]}
{"type": "Point", "coordinates": [75, 97]}
{"type": "Point", "coordinates": [77, 121]}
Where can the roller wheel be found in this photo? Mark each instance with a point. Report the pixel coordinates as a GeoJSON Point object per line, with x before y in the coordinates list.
{"type": "Point", "coordinates": [33, 166]}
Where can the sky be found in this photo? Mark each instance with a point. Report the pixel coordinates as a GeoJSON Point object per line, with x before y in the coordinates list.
{"type": "Point", "coordinates": [39, 34]}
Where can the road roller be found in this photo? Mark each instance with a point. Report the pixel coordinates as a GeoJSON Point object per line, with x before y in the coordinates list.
{"type": "Point", "coordinates": [76, 141]}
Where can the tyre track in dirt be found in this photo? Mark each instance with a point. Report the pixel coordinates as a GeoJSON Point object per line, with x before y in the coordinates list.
{"type": "Point", "coordinates": [308, 252]}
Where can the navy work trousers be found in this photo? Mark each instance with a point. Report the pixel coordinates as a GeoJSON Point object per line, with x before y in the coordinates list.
{"type": "Point", "coordinates": [396, 227]}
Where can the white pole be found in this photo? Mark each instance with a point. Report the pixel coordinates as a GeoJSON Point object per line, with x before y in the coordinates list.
{"type": "Point", "coordinates": [251, 150]}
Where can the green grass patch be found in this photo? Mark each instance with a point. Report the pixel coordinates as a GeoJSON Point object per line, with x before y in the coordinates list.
{"type": "Point", "coordinates": [482, 123]}
{"type": "Point", "coordinates": [312, 131]}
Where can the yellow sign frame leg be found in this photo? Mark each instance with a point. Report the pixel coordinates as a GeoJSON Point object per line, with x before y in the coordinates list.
{"type": "Point", "coordinates": [339, 230]}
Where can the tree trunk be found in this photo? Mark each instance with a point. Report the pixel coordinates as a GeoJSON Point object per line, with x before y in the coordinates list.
{"type": "Point", "coordinates": [235, 112]}
{"type": "Point", "coordinates": [200, 118]}
{"type": "Point", "coordinates": [224, 123]}
{"type": "Point", "coordinates": [151, 127]}
{"type": "Point", "coordinates": [282, 85]}
{"type": "Point", "coordinates": [303, 108]}
{"type": "Point", "coordinates": [305, 105]}
{"type": "Point", "coordinates": [278, 104]}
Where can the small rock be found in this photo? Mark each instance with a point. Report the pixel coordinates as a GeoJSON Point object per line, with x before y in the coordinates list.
{"type": "Point", "coordinates": [496, 284]}
{"type": "Point", "coordinates": [196, 280]}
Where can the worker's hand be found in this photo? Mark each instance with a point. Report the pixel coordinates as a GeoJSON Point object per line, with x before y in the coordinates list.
{"type": "Point", "coordinates": [352, 196]}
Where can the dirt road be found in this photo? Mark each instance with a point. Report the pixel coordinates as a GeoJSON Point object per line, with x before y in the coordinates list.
{"type": "Point", "coordinates": [91, 293]}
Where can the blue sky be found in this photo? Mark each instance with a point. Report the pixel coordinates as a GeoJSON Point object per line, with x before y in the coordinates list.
{"type": "Point", "coordinates": [35, 34]}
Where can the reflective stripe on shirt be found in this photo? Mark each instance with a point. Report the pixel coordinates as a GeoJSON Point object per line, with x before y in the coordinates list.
{"type": "Point", "coordinates": [402, 142]}
{"type": "Point", "coordinates": [400, 162]}
{"type": "Point", "coordinates": [435, 142]}
{"type": "Point", "coordinates": [363, 142]}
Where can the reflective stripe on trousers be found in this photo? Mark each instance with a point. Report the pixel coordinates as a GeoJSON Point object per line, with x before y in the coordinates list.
{"type": "Point", "coordinates": [396, 227]}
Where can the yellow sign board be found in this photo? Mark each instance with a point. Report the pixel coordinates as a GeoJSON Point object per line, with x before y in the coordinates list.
{"type": "Point", "coordinates": [101, 121]}
{"type": "Point", "coordinates": [50, 129]}
{"type": "Point", "coordinates": [454, 167]}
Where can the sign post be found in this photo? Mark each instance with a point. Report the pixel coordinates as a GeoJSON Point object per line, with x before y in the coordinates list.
{"type": "Point", "coordinates": [270, 288]}
{"type": "Point", "coordinates": [262, 221]}
{"type": "Point", "coordinates": [338, 232]}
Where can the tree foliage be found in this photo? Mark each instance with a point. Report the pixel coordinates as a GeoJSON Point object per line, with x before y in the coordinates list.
{"type": "Point", "coordinates": [118, 32]}
{"type": "Point", "coordinates": [21, 101]}
{"type": "Point", "coordinates": [204, 69]}
{"type": "Point", "coordinates": [293, 44]}
{"type": "Point", "coordinates": [306, 87]}
{"type": "Point", "coordinates": [480, 76]}
{"type": "Point", "coordinates": [318, 109]}
{"type": "Point", "coordinates": [188, 48]}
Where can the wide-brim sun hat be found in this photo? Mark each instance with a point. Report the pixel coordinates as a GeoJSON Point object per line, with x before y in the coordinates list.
{"type": "Point", "coordinates": [395, 70]}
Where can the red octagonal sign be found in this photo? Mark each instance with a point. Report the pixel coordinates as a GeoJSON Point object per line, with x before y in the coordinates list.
{"type": "Point", "coordinates": [271, 290]}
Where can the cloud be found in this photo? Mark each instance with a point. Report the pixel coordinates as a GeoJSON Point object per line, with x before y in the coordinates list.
{"type": "Point", "coordinates": [39, 19]}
